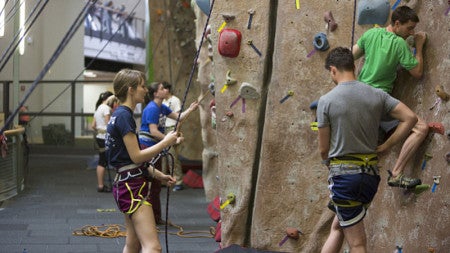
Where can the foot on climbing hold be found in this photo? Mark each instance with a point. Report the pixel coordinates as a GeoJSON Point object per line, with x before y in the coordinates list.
{"type": "Point", "coordinates": [402, 181]}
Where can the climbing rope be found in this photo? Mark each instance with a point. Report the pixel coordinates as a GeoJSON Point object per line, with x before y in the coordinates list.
{"type": "Point", "coordinates": [106, 231]}
{"type": "Point", "coordinates": [117, 230]}
{"type": "Point", "coordinates": [353, 25]}
{"type": "Point", "coordinates": [191, 75]}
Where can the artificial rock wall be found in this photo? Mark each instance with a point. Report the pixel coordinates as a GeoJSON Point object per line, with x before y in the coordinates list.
{"type": "Point", "coordinates": [265, 152]}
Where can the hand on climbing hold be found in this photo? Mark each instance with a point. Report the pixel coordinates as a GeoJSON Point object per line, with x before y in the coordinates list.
{"type": "Point", "coordinates": [419, 39]}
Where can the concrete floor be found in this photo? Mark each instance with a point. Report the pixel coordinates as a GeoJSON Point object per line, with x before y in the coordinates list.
{"type": "Point", "coordinates": [60, 197]}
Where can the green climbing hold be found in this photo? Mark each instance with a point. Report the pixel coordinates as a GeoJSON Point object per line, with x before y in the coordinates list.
{"type": "Point", "coordinates": [421, 188]}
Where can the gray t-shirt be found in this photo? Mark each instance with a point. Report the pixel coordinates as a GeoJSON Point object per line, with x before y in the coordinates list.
{"type": "Point", "coordinates": [353, 111]}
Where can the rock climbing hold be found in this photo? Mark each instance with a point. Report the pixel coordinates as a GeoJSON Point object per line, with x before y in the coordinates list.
{"type": "Point", "coordinates": [228, 18]}
{"type": "Point", "coordinates": [394, 6]}
{"type": "Point", "coordinates": [290, 233]}
{"type": "Point", "coordinates": [320, 42]}
{"type": "Point", "coordinates": [426, 158]}
{"type": "Point", "coordinates": [250, 43]}
{"type": "Point", "coordinates": [436, 127]}
{"type": "Point", "coordinates": [329, 19]}
{"type": "Point", "coordinates": [441, 93]}
{"type": "Point", "coordinates": [421, 188]}
{"type": "Point", "coordinates": [236, 100]}
{"type": "Point", "coordinates": [290, 94]}
{"type": "Point", "coordinates": [248, 91]}
{"type": "Point", "coordinates": [293, 233]}
{"type": "Point", "coordinates": [250, 12]}
{"type": "Point", "coordinates": [231, 198]}
{"type": "Point", "coordinates": [399, 249]}
{"type": "Point", "coordinates": [204, 5]}
{"type": "Point", "coordinates": [211, 88]}
{"type": "Point", "coordinates": [229, 81]}
{"type": "Point", "coordinates": [229, 114]}
{"type": "Point", "coordinates": [313, 105]}
{"type": "Point", "coordinates": [229, 43]}
{"type": "Point", "coordinates": [436, 180]}
{"type": "Point", "coordinates": [373, 12]}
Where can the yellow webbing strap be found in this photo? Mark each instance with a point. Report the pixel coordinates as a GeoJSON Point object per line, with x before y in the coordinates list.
{"type": "Point", "coordinates": [348, 203]}
{"type": "Point", "coordinates": [356, 159]}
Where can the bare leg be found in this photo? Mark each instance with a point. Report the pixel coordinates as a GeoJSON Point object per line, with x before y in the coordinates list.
{"type": "Point", "coordinates": [132, 244]}
{"type": "Point", "coordinates": [356, 237]}
{"type": "Point", "coordinates": [335, 240]}
{"type": "Point", "coordinates": [145, 229]}
{"type": "Point", "coordinates": [411, 145]}
{"type": "Point", "coordinates": [100, 175]}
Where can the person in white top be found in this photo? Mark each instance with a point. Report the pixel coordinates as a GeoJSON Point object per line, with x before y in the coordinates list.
{"type": "Point", "coordinates": [101, 118]}
{"type": "Point", "coordinates": [174, 103]}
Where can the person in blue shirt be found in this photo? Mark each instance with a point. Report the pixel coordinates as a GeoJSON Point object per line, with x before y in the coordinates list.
{"type": "Point", "coordinates": [152, 131]}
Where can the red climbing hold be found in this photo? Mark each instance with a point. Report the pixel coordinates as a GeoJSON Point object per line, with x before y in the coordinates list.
{"type": "Point", "coordinates": [229, 43]}
{"type": "Point", "coordinates": [436, 127]}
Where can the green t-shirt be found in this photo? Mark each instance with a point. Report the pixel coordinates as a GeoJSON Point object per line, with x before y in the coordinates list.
{"type": "Point", "coordinates": [383, 52]}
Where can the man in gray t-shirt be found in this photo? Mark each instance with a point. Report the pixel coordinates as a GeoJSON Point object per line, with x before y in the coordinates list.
{"type": "Point", "coordinates": [348, 118]}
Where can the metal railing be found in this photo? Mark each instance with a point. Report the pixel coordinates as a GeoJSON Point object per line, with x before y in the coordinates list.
{"type": "Point", "coordinates": [72, 113]}
{"type": "Point", "coordinates": [13, 164]}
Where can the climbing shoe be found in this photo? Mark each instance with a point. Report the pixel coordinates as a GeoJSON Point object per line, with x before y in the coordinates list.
{"type": "Point", "coordinates": [402, 181]}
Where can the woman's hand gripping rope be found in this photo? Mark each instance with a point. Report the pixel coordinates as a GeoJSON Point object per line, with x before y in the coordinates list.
{"type": "Point", "coordinates": [163, 178]}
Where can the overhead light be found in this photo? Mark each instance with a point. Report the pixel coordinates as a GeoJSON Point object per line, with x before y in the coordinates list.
{"type": "Point", "coordinates": [2, 18]}
{"type": "Point", "coordinates": [91, 74]}
{"type": "Point", "coordinates": [22, 27]}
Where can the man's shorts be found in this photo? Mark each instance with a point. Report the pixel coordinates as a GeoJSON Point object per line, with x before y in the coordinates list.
{"type": "Point", "coordinates": [131, 194]}
{"type": "Point", "coordinates": [351, 195]}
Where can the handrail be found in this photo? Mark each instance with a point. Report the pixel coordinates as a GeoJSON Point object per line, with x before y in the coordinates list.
{"type": "Point", "coordinates": [16, 131]}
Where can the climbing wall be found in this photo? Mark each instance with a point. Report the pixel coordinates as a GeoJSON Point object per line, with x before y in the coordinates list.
{"type": "Point", "coordinates": [173, 49]}
{"type": "Point", "coordinates": [267, 155]}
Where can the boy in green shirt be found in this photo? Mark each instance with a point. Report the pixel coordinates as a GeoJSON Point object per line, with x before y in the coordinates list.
{"type": "Point", "coordinates": [384, 49]}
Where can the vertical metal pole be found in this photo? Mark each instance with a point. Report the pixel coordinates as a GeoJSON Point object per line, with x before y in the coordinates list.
{"type": "Point", "coordinates": [16, 72]}
{"type": "Point", "coordinates": [72, 110]}
{"type": "Point", "coordinates": [148, 43]}
{"type": "Point", "coordinates": [6, 109]}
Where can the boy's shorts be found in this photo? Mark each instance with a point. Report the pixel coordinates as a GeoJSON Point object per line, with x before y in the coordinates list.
{"type": "Point", "coordinates": [351, 195]}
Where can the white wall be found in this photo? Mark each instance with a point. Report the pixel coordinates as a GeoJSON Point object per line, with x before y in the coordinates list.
{"type": "Point", "coordinates": [45, 35]}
